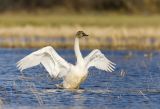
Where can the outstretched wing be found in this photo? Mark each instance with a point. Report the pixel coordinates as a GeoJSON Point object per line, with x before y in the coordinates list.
{"type": "Point", "coordinates": [98, 60]}
{"type": "Point", "coordinates": [48, 57]}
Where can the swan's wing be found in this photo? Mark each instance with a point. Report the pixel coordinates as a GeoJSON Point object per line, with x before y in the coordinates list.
{"type": "Point", "coordinates": [98, 60]}
{"type": "Point", "coordinates": [48, 57]}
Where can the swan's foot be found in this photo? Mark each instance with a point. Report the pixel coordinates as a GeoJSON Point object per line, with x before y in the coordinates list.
{"type": "Point", "coordinates": [60, 86]}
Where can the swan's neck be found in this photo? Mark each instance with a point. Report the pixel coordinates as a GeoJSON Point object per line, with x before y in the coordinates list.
{"type": "Point", "coordinates": [77, 51]}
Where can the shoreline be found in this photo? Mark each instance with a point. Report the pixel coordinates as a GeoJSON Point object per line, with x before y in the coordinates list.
{"type": "Point", "coordinates": [124, 43]}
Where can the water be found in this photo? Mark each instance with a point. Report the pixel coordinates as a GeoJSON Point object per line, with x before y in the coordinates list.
{"type": "Point", "coordinates": [134, 84]}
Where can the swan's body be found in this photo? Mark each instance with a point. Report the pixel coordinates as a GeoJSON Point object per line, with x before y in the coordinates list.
{"type": "Point", "coordinates": [57, 67]}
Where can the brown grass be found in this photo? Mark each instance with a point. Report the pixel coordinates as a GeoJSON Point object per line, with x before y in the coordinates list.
{"type": "Point", "coordinates": [69, 31]}
{"type": "Point", "coordinates": [99, 37]}
{"type": "Point", "coordinates": [106, 31]}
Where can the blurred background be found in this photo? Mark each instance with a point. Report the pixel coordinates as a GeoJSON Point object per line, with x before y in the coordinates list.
{"type": "Point", "coordinates": [111, 24]}
{"type": "Point", "coordinates": [82, 6]}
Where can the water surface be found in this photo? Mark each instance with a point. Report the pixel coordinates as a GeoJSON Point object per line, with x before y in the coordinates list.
{"type": "Point", "coordinates": [134, 84]}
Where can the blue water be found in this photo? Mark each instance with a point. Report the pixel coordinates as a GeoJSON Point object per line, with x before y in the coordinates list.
{"type": "Point", "coordinates": [135, 84]}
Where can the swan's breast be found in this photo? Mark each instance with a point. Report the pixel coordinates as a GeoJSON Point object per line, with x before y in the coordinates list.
{"type": "Point", "coordinates": [73, 80]}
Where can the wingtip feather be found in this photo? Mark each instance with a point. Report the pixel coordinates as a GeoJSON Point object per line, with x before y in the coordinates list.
{"type": "Point", "coordinates": [19, 66]}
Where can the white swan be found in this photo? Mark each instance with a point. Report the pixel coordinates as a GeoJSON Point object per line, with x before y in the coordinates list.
{"type": "Point", "coordinates": [57, 67]}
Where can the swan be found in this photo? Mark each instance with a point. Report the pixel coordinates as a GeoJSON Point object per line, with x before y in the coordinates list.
{"type": "Point", "coordinates": [57, 67]}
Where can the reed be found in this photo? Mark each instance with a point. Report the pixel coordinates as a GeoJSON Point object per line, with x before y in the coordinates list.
{"type": "Point", "coordinates": [36, 94]}
{"type": "Point", "coordinates": [100, 37]}
{"type": "Point", "coordinates": [106, 31]}
{"type": "Point", "coordinates": [69, 31]}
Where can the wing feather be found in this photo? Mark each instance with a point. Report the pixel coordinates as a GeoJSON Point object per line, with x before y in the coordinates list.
{"type": "Point", "coordinates": [98, 60]}
{"type": "Point", "coordinates": [55, 65]}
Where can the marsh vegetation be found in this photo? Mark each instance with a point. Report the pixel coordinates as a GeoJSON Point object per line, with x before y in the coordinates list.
{"type": "Point", "coordinates": [111, 24]}
{"type": "Point", "coordinates": [106, 31]}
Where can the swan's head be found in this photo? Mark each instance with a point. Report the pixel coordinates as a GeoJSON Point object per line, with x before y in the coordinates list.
{"type": "Point", "coordinates": [81, 34]}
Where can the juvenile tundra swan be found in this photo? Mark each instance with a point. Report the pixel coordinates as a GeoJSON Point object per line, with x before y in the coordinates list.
{"type": "Point", "coordinates": [57, 67]}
